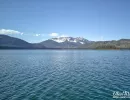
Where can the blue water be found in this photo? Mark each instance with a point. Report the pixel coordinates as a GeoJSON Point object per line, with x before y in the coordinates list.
{"type": "Point", "coordinates": [63, 74]}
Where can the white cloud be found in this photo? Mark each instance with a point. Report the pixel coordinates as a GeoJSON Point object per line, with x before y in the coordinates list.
{"type": "Point", "coordinates": [54, 34]}
{"type": "Point", "coordinates": [36, 34]}
{"type": "Point", "coordinates": [21, 33]}
{"type": "Point", "coordinates": [8, 31]}
{"type": "Point", "coordinates": [63, 35]}
{"type": "Point", "coordinates": [57, 35]}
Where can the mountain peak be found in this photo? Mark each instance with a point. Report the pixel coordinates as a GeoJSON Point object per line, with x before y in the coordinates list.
{"type": "Point", "coordinates": [70, 39]}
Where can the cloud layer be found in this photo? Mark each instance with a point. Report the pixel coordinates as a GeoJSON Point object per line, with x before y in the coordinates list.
{"type": "Point", "coordinates": [8, 31]}
{"type": "Point", "coordinates": [57, 35]}
{"type": "Point", "coordinates": [54, 34]}
{"type": "Point", "coordinates": [36, 34]}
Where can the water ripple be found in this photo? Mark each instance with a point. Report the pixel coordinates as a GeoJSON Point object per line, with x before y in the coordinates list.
{"type": "Point", "coordinates": [63, 75]}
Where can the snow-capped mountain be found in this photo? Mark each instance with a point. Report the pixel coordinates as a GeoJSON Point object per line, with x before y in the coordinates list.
{"type": "Point", "coordinates": [64, 42]}
{"type": "Point", "coordinates": [70, 39]}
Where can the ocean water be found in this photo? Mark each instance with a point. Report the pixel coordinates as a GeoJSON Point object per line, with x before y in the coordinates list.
{"type": "Point", "coordinates": [63, 74]}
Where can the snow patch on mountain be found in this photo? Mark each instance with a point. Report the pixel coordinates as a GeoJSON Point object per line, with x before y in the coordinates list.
{"type": "Point", "coordinates": [82, 42]}
{"type": "Point", "coordinates": [70, 39]}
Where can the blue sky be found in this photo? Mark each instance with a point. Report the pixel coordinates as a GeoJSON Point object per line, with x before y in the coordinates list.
{"type": "Point", "coordinates": [38, 20]}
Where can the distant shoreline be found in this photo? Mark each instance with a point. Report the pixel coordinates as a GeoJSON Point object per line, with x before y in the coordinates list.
{"type": "Point", "coordinates": [7, 42]}
{"type": "Point", "coordinates": [56, 49]}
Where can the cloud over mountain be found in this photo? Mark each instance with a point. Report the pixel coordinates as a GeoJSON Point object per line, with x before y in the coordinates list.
{"type": "Point", "coordinates": [54, 34]}
{"type": "Point", "coordinates": [57, 35]}
{"type": "Point", "coordinates": [9, 31]}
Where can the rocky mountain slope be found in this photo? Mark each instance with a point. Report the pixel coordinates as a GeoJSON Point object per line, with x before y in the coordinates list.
{"type": "Point", "coordinates": [7, 42]}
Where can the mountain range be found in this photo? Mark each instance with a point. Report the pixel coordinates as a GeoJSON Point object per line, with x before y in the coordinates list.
{"type": "Point", "coordinates": [7, 42]}
{"type": "Point", "coordinates": [64, 42]}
